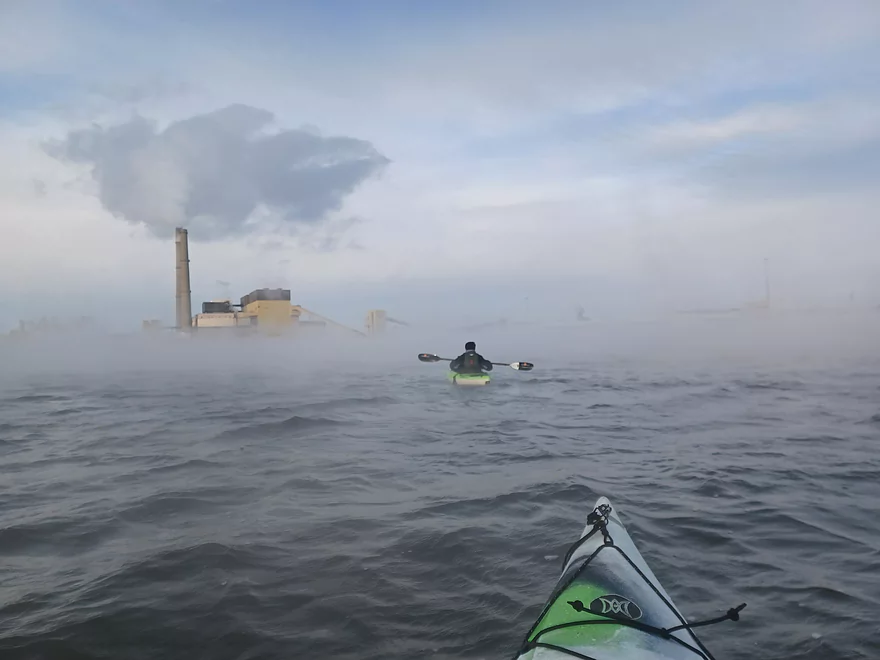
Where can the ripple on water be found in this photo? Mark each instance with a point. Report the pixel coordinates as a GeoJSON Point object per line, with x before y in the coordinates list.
{"type": "Point", "coordinates": [274, 517]}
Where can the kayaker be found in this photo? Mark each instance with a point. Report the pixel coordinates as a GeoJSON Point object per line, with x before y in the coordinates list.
{"type": "Point", "coordinates": [470, 362]}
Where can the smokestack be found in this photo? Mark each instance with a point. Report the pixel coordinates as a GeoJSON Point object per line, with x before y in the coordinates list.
{"type": "Point", "coordinates": [184, 302]}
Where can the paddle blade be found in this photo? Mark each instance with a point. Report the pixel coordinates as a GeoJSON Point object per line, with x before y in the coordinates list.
{"type": "Point", "coordinates": [522, 366]}
{"type": "Point", "coordinates": [428, 357]}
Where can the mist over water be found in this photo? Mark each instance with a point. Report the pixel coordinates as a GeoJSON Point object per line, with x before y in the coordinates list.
{"type": "Point", "coordinates": [215, 498]}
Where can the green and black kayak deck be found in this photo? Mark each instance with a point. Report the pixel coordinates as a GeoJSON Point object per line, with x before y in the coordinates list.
{"type": "Point", "coordinates": [468, 379]}
{"type": "Point", "coordinates": [609, 605]}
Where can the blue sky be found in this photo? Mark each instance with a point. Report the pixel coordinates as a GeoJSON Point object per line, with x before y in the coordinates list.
{"type": "Point", "coordinates": [625, 158]}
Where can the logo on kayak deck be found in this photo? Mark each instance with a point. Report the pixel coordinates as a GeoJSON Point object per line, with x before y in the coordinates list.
{"type": "Point", "coordinates": [611, 604]}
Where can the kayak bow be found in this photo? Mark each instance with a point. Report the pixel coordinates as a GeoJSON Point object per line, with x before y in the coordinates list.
{"type": "Point", "coordinates": [609, 605]}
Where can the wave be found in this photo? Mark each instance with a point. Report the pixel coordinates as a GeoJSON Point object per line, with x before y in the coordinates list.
{"type": "Point", "coordinates": [270, 429]}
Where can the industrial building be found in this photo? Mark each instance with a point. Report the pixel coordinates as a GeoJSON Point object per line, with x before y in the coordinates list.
{"type": "Point", "coordinates": [262, 311]}
{"type": "Point", "coordinates": [377, 322]}
{"type": "Point", "coordinates": [268, 311]}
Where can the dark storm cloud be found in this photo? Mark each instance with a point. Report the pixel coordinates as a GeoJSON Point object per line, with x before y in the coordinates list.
{"type": "Point", "coordinates": [219, 173]}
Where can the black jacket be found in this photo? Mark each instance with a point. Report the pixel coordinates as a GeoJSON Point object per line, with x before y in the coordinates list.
{"type": "Point", "coordinates": [470, 362]}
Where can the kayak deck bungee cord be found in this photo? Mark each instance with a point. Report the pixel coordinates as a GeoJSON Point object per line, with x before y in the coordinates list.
{"type": "Point", "coordinates": [609, 605]}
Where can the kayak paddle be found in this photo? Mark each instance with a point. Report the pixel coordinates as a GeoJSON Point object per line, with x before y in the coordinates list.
{"type": "Point", "coordinates": [519, 366]}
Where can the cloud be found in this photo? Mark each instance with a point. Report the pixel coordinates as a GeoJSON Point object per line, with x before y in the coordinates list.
{"type": "Point", "coordinates": [749, 122]}
{"type": "Point", "coordinates": [220, 174]}
{"type": "Point", "coordinates": [772, 151]}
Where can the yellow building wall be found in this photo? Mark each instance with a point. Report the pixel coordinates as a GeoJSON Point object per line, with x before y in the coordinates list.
{"type": "Point", "coordinates": [272, 316]}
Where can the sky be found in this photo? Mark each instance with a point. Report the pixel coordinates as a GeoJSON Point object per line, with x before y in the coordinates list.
{"type": "Point", "coordinates": [449, 162]}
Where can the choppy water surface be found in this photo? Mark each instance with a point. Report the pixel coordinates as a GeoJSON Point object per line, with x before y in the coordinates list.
{"type": "Point", "coordinates": [263, 508]}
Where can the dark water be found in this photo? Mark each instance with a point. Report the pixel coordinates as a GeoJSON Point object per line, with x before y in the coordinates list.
{"type": "Point", "coordinates": [269, 509]}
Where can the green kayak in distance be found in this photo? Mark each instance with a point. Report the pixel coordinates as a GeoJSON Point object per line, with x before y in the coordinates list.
{"type": "Point", "coordinates": [468, 380]}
